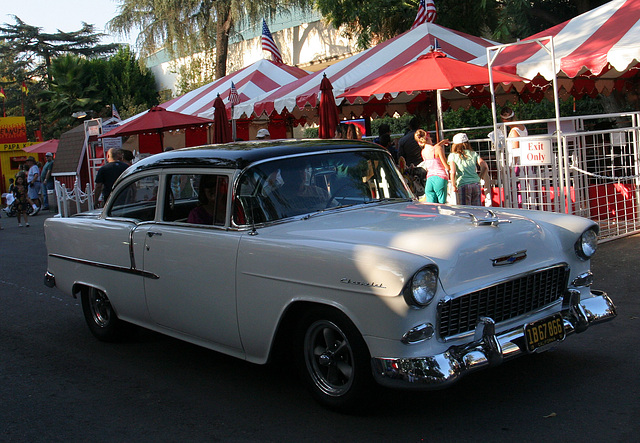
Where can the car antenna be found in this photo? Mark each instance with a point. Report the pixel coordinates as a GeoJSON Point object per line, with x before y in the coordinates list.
{"type": "Point", "coordinates": [253, 222]}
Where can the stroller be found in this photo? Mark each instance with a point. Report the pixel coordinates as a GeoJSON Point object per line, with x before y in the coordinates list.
{"type": "Point", "coordinates": [10, 209]}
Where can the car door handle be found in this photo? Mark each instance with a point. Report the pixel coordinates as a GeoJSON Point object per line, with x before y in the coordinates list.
{"type": "Point", "coordinates": [151, 233]}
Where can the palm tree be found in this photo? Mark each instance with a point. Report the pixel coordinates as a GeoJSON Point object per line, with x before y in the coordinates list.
{"type": "Point", "coordinates": [184, 27]}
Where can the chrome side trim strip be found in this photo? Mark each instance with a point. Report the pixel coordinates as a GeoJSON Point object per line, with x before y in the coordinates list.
{"type": "Point", "coordinates": [107, 266]}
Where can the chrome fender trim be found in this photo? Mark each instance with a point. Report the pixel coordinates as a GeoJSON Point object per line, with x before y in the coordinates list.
{"type": "Point", "coordinates": [486, 349]}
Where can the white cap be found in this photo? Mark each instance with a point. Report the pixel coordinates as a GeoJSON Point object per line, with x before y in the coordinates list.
{"type": "Point", "coordinates": [48, 154]}
{"type": "Point", "coordinates": [262, 133]}
{"type": "Point", "coordinates": [460, 137]}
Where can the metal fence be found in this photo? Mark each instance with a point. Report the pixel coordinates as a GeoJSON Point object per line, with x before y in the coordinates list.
{"type": "Point", "coordinates": [593, 172]}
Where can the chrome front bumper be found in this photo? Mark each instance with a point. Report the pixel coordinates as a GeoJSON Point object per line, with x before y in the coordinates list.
{"type": "Point", "coordinates": [487, 349]}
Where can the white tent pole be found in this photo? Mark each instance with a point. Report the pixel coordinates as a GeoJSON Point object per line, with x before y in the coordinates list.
{"type": "Point", "coordinates": [233, 125]}
{"type": "Point", "coordinates": [439, 105]}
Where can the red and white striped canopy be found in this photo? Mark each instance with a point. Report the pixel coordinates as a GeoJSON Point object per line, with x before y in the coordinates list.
{"type": "Point", "coordinates": [603, 42]}
{"type": "Point", "coordinates": [252, 81]}
{"type": "Point", "coordinates": [365, 66]}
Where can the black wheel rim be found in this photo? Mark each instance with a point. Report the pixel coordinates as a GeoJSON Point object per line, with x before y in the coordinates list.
{"type": "Point", "coordinates": [100, 308]}
{"type": "Point", "coordinates": [329, 358]}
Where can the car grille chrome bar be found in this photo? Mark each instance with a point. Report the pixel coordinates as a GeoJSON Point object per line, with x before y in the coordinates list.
{"type": "Point", "coordinates": [503, 301]}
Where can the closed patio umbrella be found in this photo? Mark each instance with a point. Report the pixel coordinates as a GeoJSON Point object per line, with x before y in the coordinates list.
{"type": "Point", "coordinates": [328, 110]}
{"type": "Point", "coordinates": [221, 129]}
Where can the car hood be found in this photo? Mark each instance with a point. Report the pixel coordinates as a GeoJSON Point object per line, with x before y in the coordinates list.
{"type": "Point", "coordinates": [464, 241]}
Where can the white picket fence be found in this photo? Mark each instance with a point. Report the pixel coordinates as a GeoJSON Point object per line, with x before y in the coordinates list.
{"type": "Point", "coordinates": [64, 197]}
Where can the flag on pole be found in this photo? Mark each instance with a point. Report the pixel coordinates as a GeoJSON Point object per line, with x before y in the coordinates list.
{"type": "Point", "coordinates": [234, 98]}
{"type": "Point", "coordinates": [25, 89]}
{"type": "Point", "coordinates": [268, 44]}
{"type": "Point", "coordinates": [114, 112]}
{"type": "Point", "coordinates": [2, 96]}
{"type": "Point", "coordinates": [426, 13]}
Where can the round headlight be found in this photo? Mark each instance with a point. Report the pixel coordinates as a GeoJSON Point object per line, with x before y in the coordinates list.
{"type": "Point", "coordinates": [422, 288]}
{"type": "Point", "coordinates": [587, 244]}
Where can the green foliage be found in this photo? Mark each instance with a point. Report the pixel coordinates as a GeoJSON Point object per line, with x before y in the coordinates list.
{"type": "Point", "coordinates": [95, 85]}
{"type": "Point", "coordinates": [32, 50]}
{"type": "Point", "coordinates": [186, 27]}
{"type": "Point", "coordinates": [198, 72]}
{"type": "Point", "coordinates": [501, 20]}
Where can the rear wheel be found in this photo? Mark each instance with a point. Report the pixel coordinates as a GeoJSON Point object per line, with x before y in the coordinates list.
{"type": "Point", "coordinates": [102, 320]}
{"type": "Point", "coordinates": [334, 360]}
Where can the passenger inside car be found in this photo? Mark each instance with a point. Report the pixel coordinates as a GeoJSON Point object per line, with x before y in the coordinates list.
{"type": "Point", "coordinates": [212, 201]}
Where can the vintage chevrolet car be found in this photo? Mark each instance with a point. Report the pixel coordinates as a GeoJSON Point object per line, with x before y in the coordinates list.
{"type": "Point", "coordinates": [317, 250]}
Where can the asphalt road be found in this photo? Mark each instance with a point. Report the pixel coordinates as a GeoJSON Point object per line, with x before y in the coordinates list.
{"type": "Point", "coordinates": [57, 383]}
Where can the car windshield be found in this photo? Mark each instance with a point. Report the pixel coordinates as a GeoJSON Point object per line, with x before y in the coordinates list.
{"type": "Point", "coordinates": [293, 186]}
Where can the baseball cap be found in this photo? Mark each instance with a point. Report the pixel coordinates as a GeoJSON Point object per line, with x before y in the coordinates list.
{"type": "Point", "coordinates": [30, 158]}
{"type": "Point", "coordinates": [262, 133]}
{"type": "Point", "coordinates": [461, 137]}
{"type": "Point", "coordinates": [48, 154]}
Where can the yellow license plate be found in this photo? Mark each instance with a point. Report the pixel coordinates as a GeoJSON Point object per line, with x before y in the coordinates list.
{"type": "Point", "coordinates": [543, 332]}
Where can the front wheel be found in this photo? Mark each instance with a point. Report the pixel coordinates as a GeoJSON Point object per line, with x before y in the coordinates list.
{"type": "Point", "coordinates": [334, 360]}
{"type": "Point", "coordinates": [102, 320]}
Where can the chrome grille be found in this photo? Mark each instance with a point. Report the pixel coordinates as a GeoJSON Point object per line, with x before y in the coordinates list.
{"type": "Point", "coordinates": [503, 301]}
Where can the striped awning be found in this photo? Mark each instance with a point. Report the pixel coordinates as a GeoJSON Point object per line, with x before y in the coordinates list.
{"type": "Point", "coordinates": [365, 66]}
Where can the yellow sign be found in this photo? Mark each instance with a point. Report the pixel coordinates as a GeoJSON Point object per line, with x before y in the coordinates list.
{"type": "Point", "coordinates": [13, 130]}
{"type": "Point", "coordinates": [5, 147]}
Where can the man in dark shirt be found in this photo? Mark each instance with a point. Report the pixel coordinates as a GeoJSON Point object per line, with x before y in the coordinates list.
{"type": "Point", "coordinates": [408, 146]}
{"type": "Point", "coordinates": [107, 175]}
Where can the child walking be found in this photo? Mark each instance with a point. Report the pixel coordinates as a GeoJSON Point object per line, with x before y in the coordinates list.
{"type": "Point", "coordinates": [22, 199]}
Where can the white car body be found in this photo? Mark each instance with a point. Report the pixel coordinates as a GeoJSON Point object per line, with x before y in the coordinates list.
{"type": "Point", "coordinates": [233, 287]}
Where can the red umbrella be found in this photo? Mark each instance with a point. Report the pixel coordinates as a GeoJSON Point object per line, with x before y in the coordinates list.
{"type": "Point", "coordinates": [44, 147]}
{"type": "Point", "coordinates": [221, 129]}
{"type": "Point", "coordinates": [430, 72]}
{"type": "Point", "coordinates": [157, 120]}
{"type": "Point", "coordinates": [328, 110]}
{"type": "Point", "coordinates": [433, 71]}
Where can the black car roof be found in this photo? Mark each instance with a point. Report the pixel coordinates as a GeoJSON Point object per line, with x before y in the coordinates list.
{"type": "Point", "coordinates": [240, 154]}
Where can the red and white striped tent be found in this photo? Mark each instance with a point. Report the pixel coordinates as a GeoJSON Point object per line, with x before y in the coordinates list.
{"type": "Point", "coordinates": [362, 67]}
{"type": "Point", "coordinates": [594, 51]}
{"type": "Point", "coordinates": [252, 81]}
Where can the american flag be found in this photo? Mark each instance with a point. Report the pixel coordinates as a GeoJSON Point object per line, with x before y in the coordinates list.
{"type": "Point", "coordinates": [234, 98]}
{"type": "Point", "coordinates": [426, 13]}
{"type": "Point", "coordinates": [268, 44]}
{"type": "Point", "coordinates": [114, 112]}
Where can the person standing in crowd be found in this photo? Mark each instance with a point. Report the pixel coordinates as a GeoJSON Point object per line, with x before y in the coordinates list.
{"type": "Point", "coordinates": [21, 195]}
{"type": "Point", "coordinates": [263, 134]}
{"type": "Point", "coordinates": [384, 140]}
{"type": "Point", "coordinates": [127, 157]}
{"type": "Point", "coordinates": [515, 130]}
{"type": "Point", "coordinates": [436, 165]}
{"type": "Point", "coordinates": [352, 132]}
{"type": "Point", "coordinates": [513, 146]}
{"type": "Point", "coordinates": [47, 179]}
{"type": "Point", "coordinates": [107, 175]}
{"type": "Point", "coordinates": [408, 146]}
{"type": "Point", "coordinates": [33, 184]}
{"type": "Point", "coordinates": [462, 161]}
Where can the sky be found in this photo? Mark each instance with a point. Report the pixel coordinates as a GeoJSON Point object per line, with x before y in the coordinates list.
{"type": "Point", "coordinates": [66, 15]}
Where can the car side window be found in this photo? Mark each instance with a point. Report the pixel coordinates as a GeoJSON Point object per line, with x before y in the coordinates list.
{"type": "Point", "coordinates": [211, 194]}
{"type": "Point", "coordinates": [137, 200]}
{"type": "Point", "coordinates": [181, 196]}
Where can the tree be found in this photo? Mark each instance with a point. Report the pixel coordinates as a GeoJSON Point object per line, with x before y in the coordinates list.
{"type": "Point", "coordinates": [95, 85]}
{"type": "Point", "coordinates": [34, 50]}
{"type": "Point", "coordinates": [186, 27]}
{"type": "Point", "coordinates": [502, 20]}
